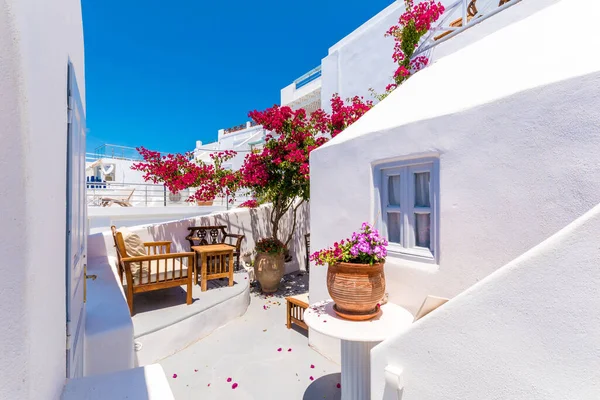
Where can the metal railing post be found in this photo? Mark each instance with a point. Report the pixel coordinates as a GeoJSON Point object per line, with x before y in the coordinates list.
{"type": "Point", "coordinates": [165, 196]}
{"type": "Point", "coordinates": [146, 193]}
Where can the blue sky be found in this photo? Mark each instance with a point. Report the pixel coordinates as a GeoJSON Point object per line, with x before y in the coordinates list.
{"type": "Point", "coordinates": [165, 74]}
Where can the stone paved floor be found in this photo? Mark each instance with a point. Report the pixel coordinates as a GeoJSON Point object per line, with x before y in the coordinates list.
{"type": "Point", "coordinates": [246, 350]}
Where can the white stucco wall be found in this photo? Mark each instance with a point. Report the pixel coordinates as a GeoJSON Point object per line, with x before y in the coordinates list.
{"type": "Point", "coordinates": [362, 59]}
{"type": "Point", "coordinates": [37, 38]}
{"type": "Point", "coordinates": [517, 149]}
{"type": "Point", "coordinates": [529, 331]}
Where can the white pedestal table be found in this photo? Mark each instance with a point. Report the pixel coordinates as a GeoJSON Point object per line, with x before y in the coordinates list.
{"type": "Point", "coordinates": [357, 340]}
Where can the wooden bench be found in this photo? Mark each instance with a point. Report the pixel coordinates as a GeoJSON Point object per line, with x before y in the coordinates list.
{"type": "Point", "coordinates": [216, 234]}
{"type": "Point", "coordinates": [159, 269]}
{"type": "Point", "coordinates": [295, 310]}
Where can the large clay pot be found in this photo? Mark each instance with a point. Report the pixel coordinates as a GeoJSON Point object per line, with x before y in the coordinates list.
{"type": "Point", "coordinates": [356, 289]}
{"type": "Point", "coordinates": [269, 269]}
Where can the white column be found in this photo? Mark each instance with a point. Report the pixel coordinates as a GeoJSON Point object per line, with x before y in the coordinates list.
{"type": "Point", "coordinates": [356, 370]}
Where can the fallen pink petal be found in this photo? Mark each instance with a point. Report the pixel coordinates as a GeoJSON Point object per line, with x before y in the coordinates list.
{"type": "Point", "coordinates": [234, 385]}
{"type": "Point", "coordinates": [279, 349]}
{"type": "Point", "coordinates": [289, 349]}
{"type": "Point", "coordinates": [195, 370]}
{"type": "Point", "coordinates": [209, 384]}
{"type": "Point", "coordinates": [338, 386]}
{"type": "Point", "coordinates": [229, 379]}
{"type": "Point", "coordinates": [312, 366]}
{"type": "Point", "coordinates": [311, 378]}
{"type": "Point", "coordinates": [174, 375]}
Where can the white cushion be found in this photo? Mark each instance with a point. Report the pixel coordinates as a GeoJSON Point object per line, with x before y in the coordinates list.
{"type": "Point", "coordinates": [134, 248]}
{"type": "Point", "coordinates": [161, 270]}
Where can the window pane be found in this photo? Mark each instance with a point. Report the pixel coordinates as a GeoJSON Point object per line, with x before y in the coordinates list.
{"type": "Point", "coordinates": [422, 189]}
{"type": "Point", "coordinates": [394, 190]}
{"type": "Point", "coordinates": [422, 230]}
{"type": "Point", "coordinates": [393, 227]}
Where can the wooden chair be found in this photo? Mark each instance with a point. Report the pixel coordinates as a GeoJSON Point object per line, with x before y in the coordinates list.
{"type": "Point", "coordinates": [217, 234]}
{"type": "Point", "coordinates": [109, 201]}
{"type": "Point", "coordinates": [160, 269]}
{"type": "Point", "coordinates": [429, 304]}
{"type": "Point", "coordinates": [295, 310]}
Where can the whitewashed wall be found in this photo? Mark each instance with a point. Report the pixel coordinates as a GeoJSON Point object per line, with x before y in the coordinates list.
{"type": "Point", "coordinates": [529, 331]}
{"type": "Point", "coordinates": [361, 60]}
{"type": "Point", "coordinates": [518, 152]}
{"type": "Point", "coordinates": [37, 38]}
{"type": "Point", "coordinates": [253, 223]}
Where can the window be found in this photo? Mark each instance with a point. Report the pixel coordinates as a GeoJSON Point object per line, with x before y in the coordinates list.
{"type": "Point", "coordinates": [408, 192]}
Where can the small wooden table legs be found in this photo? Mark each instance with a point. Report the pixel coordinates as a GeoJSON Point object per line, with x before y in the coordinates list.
{"type": "Point", "coordinates": [215, 262]}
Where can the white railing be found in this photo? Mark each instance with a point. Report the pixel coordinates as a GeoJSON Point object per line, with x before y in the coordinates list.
{"type": "Point", "coordinates": [148, 195]}
{"type": "Point", "coordinates": [459, 16]}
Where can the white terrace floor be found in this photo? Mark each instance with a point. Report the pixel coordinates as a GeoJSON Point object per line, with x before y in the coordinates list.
{"type": "Point", "coordinates": [247, 351]}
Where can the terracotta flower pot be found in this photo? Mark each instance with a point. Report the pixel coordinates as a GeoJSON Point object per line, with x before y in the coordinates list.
{"type": "Point", "coordinates": [204, 203]}
{"type": "Point", "coordinates": [269, 269]}
{"type": "Point", "coordinates": [356, 289]}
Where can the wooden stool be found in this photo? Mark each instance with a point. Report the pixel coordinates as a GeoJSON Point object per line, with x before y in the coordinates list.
{"type": "Point", "coordinates": [295, 310]}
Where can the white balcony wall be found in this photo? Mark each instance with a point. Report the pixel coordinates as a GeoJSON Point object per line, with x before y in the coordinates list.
{"type": "Point", "coordinates": [289, 94]}
{"type": "Point", "coordinates": [529, 331]}
{"type": "Point", "coordinates": [37, 39]}
{"type": "Point", "coordinates": [517, 152]}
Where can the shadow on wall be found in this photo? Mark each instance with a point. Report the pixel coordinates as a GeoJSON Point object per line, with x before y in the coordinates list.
{"type": "Point", "coordinates": [254, 224]}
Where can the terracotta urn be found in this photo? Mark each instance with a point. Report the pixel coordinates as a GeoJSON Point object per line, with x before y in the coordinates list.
{"type": "Point", "coordinates": [356, 289]}
{"type": "Point", "coordinates": [269, 269]}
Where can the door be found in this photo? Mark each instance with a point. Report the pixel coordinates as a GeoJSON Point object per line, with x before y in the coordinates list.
{"type": "Point", "coordinates": [76, 229]}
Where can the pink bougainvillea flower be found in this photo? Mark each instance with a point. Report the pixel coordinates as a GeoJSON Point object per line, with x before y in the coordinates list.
{"type": "Point", "coordinates": [311, 378]}
{"type": "Point", "coordinates": [312, 366]}
{"type": "Point", "coordinates": [174, 375]}
{"type": "Point", "coordinates": [229, 379]}
{"type": "Point", "coordinates": [289, 349]}
{"type": "Point", "coordinates": [338, 386]}
{"type": "Point", "coordinates": [234, 385]}
{"type": "Point", "coordinates": [279, 349]}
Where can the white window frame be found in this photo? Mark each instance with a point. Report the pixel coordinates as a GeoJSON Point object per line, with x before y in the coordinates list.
{"type": "Point", "coordinates": [406, 169]}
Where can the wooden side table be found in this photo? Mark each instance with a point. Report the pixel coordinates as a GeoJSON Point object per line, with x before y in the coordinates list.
{"type": "Point", "coordinates": [215, 262]}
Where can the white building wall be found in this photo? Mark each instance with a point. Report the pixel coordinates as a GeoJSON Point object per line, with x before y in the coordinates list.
{"type": "Point", "coordinates": [517, 152]}
{"type": "Point", "coordinates": [37, 39]}
{"type": "Point", "coordinates": [237, 141]}
{"type": "Point", "coordinates": [361, 60]}
{"type": "Point", "coordinates": [529, 331]}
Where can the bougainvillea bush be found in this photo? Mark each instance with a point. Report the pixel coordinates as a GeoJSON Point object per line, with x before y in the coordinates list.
{"type": "Point", "coordinates": [412, 25]}
{"type": "Point", "coordinates": [279, 173]}
{"type": "Point", "coordinates": [364, 247]}
{"type": "Point", "coordinates": [180, 171]}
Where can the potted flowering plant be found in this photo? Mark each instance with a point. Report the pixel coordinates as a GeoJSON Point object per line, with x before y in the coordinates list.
{"type": "Point", "coordinates": [269, 263]}
{"type": "Point", "coordinates": [355, 277]}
